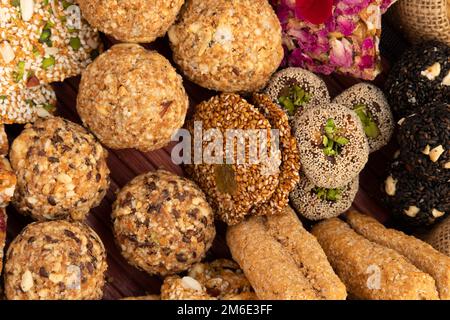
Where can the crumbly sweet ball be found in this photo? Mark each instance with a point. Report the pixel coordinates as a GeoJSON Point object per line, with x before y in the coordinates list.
{"type": "Point", "coordinates": [42, 42]}
{"type": "Point", "coordinates": [221, 279]}
{"type": "Point", "coordinates": [369, 270]}
{"type": "Point", "coordinates": [424, 140]}
{"type": "Point", "coordinates": [419, 253]}
{"type": "Point", "coordinates": [8, 182]}
{"type": "Point", "coordinates": [55, 260]}
{"type": "Point", "coordinates": [132, 98]}
{"type": "Point", "coordinates": [131, 20]}
{"type": "Point", "coordinates": [61, 170]}
{"type": "Point", "coordinates": [297, 89]}
{"type": "Point", "coordinates": [421, 76]}
{"type": "Point", "coordinates": [372, 108]}
{"type": "Point", "coordinates": [230, 46]}
{"type": "Point", "coordinates": [290, 158]}
{"type": "Point", "coordinates": [439, 237]}
{"type": "Point", "coordinates": [315, 203]}
{"type": "Point", "coordinates": [414, 200]}
{"type": "Point", "coordinates": [234, 187]}
{"type": "Point", "coordinates": [3, 221]}
{"type": "Point", "coordinates": [162, 223]}
{"type": "Point", "coordinates": [332, 143]}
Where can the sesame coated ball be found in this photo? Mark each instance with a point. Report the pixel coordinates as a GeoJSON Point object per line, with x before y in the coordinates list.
{"type": "Point", "coordinates": [413, 200]}
{"type": "Point", "coordinates": [131, 20]}
{"type": "Point", "coordinates": [372, 108]}
{"type": "Point", "coordinates": [332, 143]}
{"type": "Point", "coordinates": [424, 140]}
{"type": "Point", "coordinates": [421, 76]}
{"type": "Point", "coordinates": [231, 46]}
{"type": "Point", "coordinates": [55, 260]}
{"type": "Point", "coordinates": [316, 203]}
{"type": "Point", "coordinates": [162, 223]}
{"type": "Point", "coordinates": [233, 183]}
{"type": "Point", "coordinates": [297, 89]}
{"type": "Point", "coordinates": [61, 170]}
{"type": "Point", "coordinates": [132, 98]}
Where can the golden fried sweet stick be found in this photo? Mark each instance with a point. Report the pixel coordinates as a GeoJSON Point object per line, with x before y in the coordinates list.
{"type": "Point", "coordinates": [369, 270]}
{"type": "Point", "coordinates": [419, 253]}
{"type": "Point", "coordinates": [283, 261]}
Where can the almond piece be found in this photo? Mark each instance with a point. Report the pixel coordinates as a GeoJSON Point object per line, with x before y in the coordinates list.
{"type": "Point", "coordinates": [27, 9]}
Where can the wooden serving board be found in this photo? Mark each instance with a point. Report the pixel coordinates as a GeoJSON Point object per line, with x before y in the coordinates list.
{"type": "Point", "coordinates": [124, 280]}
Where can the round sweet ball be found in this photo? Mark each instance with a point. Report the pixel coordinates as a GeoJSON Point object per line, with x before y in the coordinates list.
{"type": "Point", "coordinates": [231, 46]}
{"type": "Point", "coordinates": [131, 20]}
{"type": "Point", "coordinates": [162, 223]}
{"type": "Point", "coordinates": [315, 203]}
{"type": "Point", "coordinates": [424, 141]}
{"type": "Point", "coordinates": [332, 144]}
{"type": "Point", "coordinates": [372, 108]}
{"type": "Point", "coordinates": [61, 170]}
{"type": "Point", "coordinates": [297, 89]}
{"type": "Point", "coordinates": [413, 200]}
{"type": "Point", "coordinates": [132, 98]}
{"type": "Point", "coordinates": [55, 260]}
{"type": "Point", "coordinates": [421, 76]}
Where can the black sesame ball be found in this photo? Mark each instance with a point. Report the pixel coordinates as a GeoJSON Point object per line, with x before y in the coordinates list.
{"type": "Point", "coordinates": [413, 200]}
{"type": "Point", "coordinates": [421, 76]}
{"type": "Point", "coordinates": [424, 140]}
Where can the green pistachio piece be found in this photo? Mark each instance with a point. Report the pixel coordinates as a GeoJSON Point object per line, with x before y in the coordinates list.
{"type": "Point", "coordinates": [328, 194]}
{"type": "Point", "coordinates": [294, 98]}
{"type": "Point", "coordinates": [75, 43]}
{"type": "Point", "coordinates": [20, 71]}
{"type": "Point", "coordinates": [2, 98]}
{"type": "Point", "coordinates": [341, 141]}
{"type": "Point", "coordinates": [50, 107]}
{"type": "Point", "coordinates": [369, 125]}
{"type": "Point", "coordinates": [15, 3]}
{"type": "Point", "coordinates": [48, 62]}
{"type": "Point", "coordinates": [287, 104]}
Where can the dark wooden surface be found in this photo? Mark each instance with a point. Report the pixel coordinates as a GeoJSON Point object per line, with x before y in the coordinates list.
{"type": "Point", "coordinates": [124, 280]}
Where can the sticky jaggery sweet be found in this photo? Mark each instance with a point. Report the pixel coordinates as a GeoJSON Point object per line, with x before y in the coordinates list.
{"type": "Point", "coordinates": [132, 98]}
{"type": "Point", "coordinates": [162, 223]}
{"type": "Point", "coordinates": [61, 170]}
{"type": "Point", "coordinates": [230, 46]}
{"type": "Point", "coordinates": [55, 260]}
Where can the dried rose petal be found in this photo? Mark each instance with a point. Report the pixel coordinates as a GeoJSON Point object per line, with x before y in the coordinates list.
{"type": "Point", "coordinates": [314, 11]}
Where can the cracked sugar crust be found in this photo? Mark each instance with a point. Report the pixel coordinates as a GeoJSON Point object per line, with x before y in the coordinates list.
{"type": "Point", "coordinates": [320, 169]}
{"type": "Point", "coordinates": [56, 260]}
{"type": "Point", "coordinates": [233, 189]}
{"type": "Point", "coordinates": [358, 262]}
{"type": "Point", "coordinates": [305, 79]}
{"type": "Point", "coordinates": [131, 20]}
{"type": "Point", "coordinates": [290, 158]}
{"type": "Point", "coordinates": [162, 223]}
{"type": "Point", "coordinates": [375, 101]}
{"type": "Point", "coordinates": [229, 46]}
{"type": "Point", "coordinates": [132, 98]}
{"type": "Point", "coordinates": [309, 205]}
{"type": "Point", "coordinates": [61, 170]}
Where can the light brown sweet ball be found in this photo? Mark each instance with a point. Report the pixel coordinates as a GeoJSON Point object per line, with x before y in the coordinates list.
{"type": "Point", "coordinates": [61, 170]}
{"type": "Point", "coordinates": [332, 143]}
{"type": "Point", "coordinates": [230, 46]}
{"type": "Point", "coordinates": [373, 110]}
{"type": "Point", "coordinates": [56, 260]}
{"type": "Point", "coordinates": [132, 98]}
{"type": "Point", "coordinates": [131, 20]}
{"type": "Point", "coordinates": [162, 223]}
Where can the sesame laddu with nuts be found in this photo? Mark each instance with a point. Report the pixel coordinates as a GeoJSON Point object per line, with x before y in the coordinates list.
{"type": "Point", "coordinates": [40, 42]}
{"type": "Point", "coordinates": [369, 270]}
{"type": "Point", "coordinates": [316, 203]}
{"type": "Point", "coordinates": [297, 89]}
{"type": "Point", "coordinates": [230, 46]}
{"type": "Point", "coordinates": [421, 254]}
{"type": "Point", "coordinates": [235, 187]}
{"type": "Point", "coordinates": [221, 279]}
{"type": "Point", "coordinates": [332, 143]}
{"type": "Point", "coordinates": [132, 98]}
{"type": "Point", "coordinates": [424, 140]}
{"type": "Point", "coordinates": [162, 223]}
{"type": "Point", "coordinates": [131, 20]}
{"type": "Point", "coordinates": [56, 260]}
{"type": "Point", "coordinates": [413, 200]}
{"type": "Point", "coordinates": [61, 170]}
{"type": "Point", "coordinates": [421, 76]}
{"type": "Point", "coordinates": [372, 108]}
